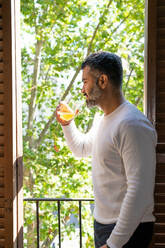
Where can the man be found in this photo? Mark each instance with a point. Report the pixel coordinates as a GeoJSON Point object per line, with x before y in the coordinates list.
{"type": "Point", "coordinates": [122, 145]}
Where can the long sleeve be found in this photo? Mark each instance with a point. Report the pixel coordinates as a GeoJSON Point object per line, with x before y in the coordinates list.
{"type": "Point", "coordinates": [79, 143]}
{"type": "Point", "coordinates": [136, 144]}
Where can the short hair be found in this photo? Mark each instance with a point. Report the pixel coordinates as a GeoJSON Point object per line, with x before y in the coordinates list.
{"type": "Point", "coordinates": [107, 63]}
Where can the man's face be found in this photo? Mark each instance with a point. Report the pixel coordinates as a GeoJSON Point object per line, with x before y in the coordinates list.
{"type": "Point", "coordinates": [91, 89]}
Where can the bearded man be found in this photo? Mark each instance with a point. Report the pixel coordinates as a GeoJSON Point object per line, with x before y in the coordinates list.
{"type": "Point", "coordinates": [122, 144]}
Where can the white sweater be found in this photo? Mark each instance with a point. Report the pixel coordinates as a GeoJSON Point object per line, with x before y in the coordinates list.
{"type": "Point", "coordinates": [122, 145]}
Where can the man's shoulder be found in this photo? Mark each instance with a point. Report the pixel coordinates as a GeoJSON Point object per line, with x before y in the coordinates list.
{"type": "Point", "coordinates": [131, 119]}
{"type": "Point", "coordinates": [132, 116]}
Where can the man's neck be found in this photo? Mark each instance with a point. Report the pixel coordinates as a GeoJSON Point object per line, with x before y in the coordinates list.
{"type": "Point", "coordinates": [108, 105]}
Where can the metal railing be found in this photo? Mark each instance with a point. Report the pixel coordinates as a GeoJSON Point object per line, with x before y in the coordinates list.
{"type": "Point", "coordinates": [58, 200]}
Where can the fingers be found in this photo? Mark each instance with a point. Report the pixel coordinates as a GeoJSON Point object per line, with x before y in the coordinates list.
{"type": "Point", "coordinates": [58, 108]}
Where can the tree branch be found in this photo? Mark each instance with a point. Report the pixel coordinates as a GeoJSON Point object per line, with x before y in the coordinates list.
{"type": "Point", "coordinates": [129, 76]}
{"type": "Point", "coordinates": [47, 73]}
{"type": "Point", "coordinates": [34, 85]}
{"type": "Point", "coordinates": [96, 29]}
{"type": "Point", "coordinates": [118, 26]}
{"type": "Point", "coordinates": [48, 241]}
{"type": "Point", "coordinates": [138, 99]}
{"type": "Point", "coordinates": [71, 83]}
{"type": "Point", "coordinates": [92, 39]}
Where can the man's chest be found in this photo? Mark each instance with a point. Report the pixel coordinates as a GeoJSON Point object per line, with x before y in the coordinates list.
{"type": "Point", "coordinates": [106, 157]}
{"type": "Point", "coordinates": [105, 145]}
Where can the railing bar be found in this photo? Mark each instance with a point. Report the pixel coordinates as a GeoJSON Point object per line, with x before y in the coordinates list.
{"type": "Point", "coordinates": [59, 223]}
{"type": "Point", "coordinates": [80, 224]}
{"type": "Point", "coordinates": [38, 224]}
{"type": "Point", "coordinates": [58, 199]}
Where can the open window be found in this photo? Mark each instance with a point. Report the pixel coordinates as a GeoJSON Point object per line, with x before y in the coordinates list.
{"type": "Point", "coordinates": [11, 173]}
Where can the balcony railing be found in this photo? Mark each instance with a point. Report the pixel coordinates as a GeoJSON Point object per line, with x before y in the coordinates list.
{"type": "Point", "coordinates": [58, 200]}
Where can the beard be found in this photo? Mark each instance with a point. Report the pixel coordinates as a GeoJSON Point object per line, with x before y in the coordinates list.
{"type": "Point", "coordinates": [94, 96]}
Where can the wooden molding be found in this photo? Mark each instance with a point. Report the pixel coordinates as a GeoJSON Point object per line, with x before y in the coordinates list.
{"type": "Point", "coordinates": [150, 60]}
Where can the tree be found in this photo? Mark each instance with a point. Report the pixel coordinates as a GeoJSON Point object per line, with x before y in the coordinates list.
{"type": "Point", "coordinates": [57, 36]}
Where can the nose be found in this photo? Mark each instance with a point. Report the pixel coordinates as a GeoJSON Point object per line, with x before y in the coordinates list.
{"type": "Point", "coordinates": [83, 90]}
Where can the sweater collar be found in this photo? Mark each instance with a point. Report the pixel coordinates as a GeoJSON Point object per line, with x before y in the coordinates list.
{"type": "Point", "coordinates": [116, 110]}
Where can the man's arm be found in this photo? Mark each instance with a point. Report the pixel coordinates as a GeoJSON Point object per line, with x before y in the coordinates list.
{"type": "Point", "coordinates": [137, 149]}
{"type": "Point", "coordinates": [79, 143]}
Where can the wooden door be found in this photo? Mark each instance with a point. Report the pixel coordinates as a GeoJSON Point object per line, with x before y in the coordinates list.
{"type": "Point", "coordinates": [155, 103]}
{"type": "Point", "coordinates": [11, 219]}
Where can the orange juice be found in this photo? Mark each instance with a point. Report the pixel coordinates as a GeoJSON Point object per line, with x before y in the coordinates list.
{"type": "Point", "coordinates": [66, 116]}
{"type": "Point", "coordinates": [66, 113]}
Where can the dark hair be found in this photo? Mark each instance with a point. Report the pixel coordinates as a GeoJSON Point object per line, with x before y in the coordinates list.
{"type": "Point", "coordinates": [107, 63]}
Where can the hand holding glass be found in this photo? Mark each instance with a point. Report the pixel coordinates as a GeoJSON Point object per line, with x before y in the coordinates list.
{"type": "Point", "coordinates": [67, 113]}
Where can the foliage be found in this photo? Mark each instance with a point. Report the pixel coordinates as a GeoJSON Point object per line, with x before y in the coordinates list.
{"type": "Point", "coordinates": [56, 36]}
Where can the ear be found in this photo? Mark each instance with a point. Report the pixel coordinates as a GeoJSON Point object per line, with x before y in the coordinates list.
{"type": "Point", "coordinates": [103, 81]}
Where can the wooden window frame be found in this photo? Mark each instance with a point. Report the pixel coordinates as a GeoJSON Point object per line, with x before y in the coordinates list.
{"type": "Point", "coordinates": [13, 173]}
{"type": "Point", "coordinates": [150, 61]}
{"type": "Point", "coordinates": [13, 117]}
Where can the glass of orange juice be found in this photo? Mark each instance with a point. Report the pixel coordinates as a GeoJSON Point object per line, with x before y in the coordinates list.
{"type": "Point", "coordinates": [66, 112]}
